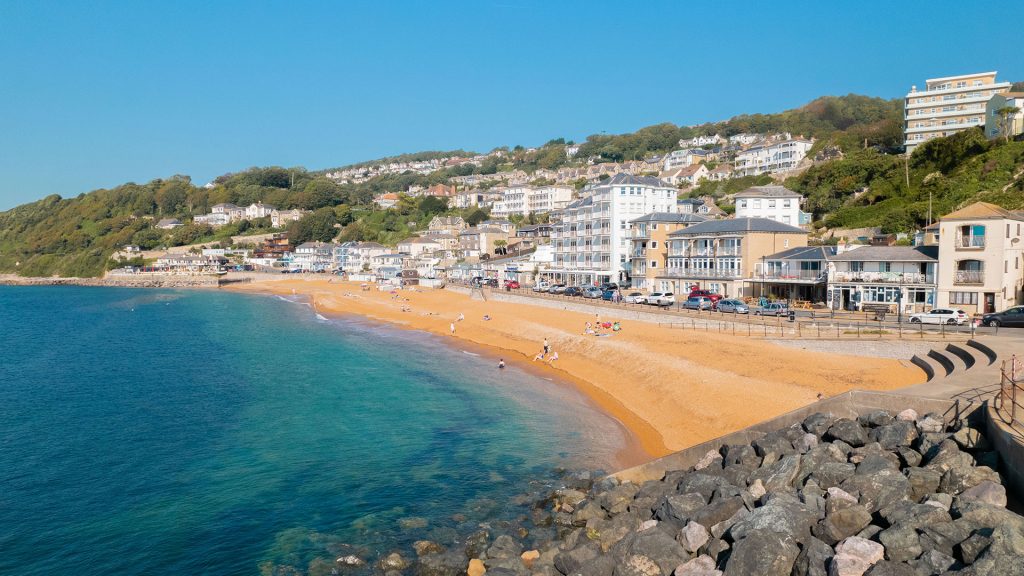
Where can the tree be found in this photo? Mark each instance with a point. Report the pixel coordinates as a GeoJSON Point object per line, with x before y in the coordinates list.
{"type": "Point", "coordinates": [319, 193]}
{"type": "Point", "coordinates": [172, 196]}
{"type": "Point", "coordinates": [499, 246]}
{"type": "Point", "coordinates": [477, 216]}
{"type": "Point", "coordinates": [1006, 115]}
{"type": "Point", "coordinates": [315, 227]}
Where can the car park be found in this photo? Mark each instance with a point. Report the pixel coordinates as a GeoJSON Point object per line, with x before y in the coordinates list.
{"type": "Point", "coordinates": [1012, 317]}
{"type": "Point", "coordinates": [558, 289]}
{"type": "Point", "coordinates": [773, 309]}
{"type": "Point", "coordinates": [698, 303]}
{"type": "Point", "coordinates": [573, 291]}
{"type": "Point", "coordinates": [634, 298]}
{"type": "Point", "coordinates": [592, 292]}
{"type": "Point", "coordinates": [733, 306]}
{"type": "Point", "coordinates": [939, 316]}
{"type": "Point", "coordinates": [608, 295]}
{"type": "Point", "coordinates": [542, 286]}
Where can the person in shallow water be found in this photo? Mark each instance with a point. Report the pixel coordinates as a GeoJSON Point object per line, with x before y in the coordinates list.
{"type": "Point", "coordinates": [501, 363]}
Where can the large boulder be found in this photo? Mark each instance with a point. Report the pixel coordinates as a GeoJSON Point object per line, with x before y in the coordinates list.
{"type": "Point", "coordinates": [679, 507]}
{"type": "Point", "coordinates": [892, 436]}
{"type": "Point", "coordinates": [971, 439]}
{"type": "Point", "coordinates": [636, 565]}
{"type": "Point", "coordinates": [701, 483]}
{"type": "Point", "coordinates": [570, 561]}
{"type": "Point", "coordinates": [960, 478]}
{"type": "Point", "coordinates": [878, 490]}
{"type": "Point", "coordinates": [818, 423]}
{"type": "Point", "coordinates": [848, 431]}
{"type": "Point", "coordinates": [699, 566]}
{"type": "Point", "coordinates": [875, 418]}
{"type": "Point", "coordinates": [987, 492]}
{"type": "Point", "coordinates": [782, 514]}
{"type": "Point", "coordinates": [854, 556]}
{"type": "Point", "coordinates": [814, 558]}
{"type": "Point", "coordinates": [922, 482]}
{"type": "Point", "coordinates": [657, 545]}
{"type": "Point", "coordinates": [780, 475]}
{"type": "Point", "coordinates": [843, 523]}
{"type": "Point", "coordinates": [693, 536]}
{"type": "Point", "coordinates": [763, 554]}
{"type": "Point", "coordinates": [901, 543]}
{"type": "Point", "coordinates": [443, 564]}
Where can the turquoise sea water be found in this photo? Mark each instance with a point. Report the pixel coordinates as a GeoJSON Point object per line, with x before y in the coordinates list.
{"type": "Point", "coordinates": [188, 432]}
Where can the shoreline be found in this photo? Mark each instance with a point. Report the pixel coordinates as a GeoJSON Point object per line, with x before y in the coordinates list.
{"type": "Point", "coordinates": [669, 388]}
{"type": "Point", "coordinates": [633, 451]}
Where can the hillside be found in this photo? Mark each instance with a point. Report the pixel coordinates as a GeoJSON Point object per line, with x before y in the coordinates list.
{"type": "Point", "coordinates": [76, 236]}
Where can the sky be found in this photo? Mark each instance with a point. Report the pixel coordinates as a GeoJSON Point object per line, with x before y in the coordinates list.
{"type": "Point", "coordinates": [96, 94]}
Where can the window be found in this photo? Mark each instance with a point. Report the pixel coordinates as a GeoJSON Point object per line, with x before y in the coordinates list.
{"type": "Point", "coordinates": [785, 243]}
{"type": "Point", "coordinates": [856, 266]}
{"type": "Point", "coordinates": [757, 203]}
{"type": "Point", "coordinates": [771, 203]}
{"type": "Point", "coordinates": [743, 203]}
{"type": "Point", "coordinates": [885, 267]}
{"type": "Point", "coordinates": [654, 263]}
{"type": "Point", "coordinates": [785, 219]}
{"type": "Point", "coordinates": [654, 226]}
{"type": "Point", "coordinates": [786, 203]}
{"type": "Point", "coordinates": [963, 298]}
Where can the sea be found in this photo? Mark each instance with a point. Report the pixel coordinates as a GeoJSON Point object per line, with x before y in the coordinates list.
{"type": "Point", "coordinates": [204, 432]}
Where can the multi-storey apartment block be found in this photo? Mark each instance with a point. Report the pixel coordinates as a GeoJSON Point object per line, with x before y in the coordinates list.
{"type": "Point", "coordinates": [771, 157]}
{"type": "Point", "coordinates": [947, 106]}
{"type": "Point", "coordinates": [981, 248]}
{"type": "Point", "coordinates": [592, 237]}
{"type": "Point", "coordinates": [773, 202]}
{"type": "Point", "coordinates": [523, 200]}
{"type": "Point", "coordinates": [999, 126]}
{"type": "Point", "coordinates": [649, 252]}
{"type": "Point", "coordinates": [719, 255]}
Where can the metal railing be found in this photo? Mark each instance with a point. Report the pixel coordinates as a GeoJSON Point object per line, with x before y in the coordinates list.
{"type": "Point", "coordinates": [885, 277]}
{"type": "Point", "coordinates": [1010, 390]}
{"type": "Point", "coordinates": [970, 241]}
{"type": "Point", "coordinates": [969, 277]}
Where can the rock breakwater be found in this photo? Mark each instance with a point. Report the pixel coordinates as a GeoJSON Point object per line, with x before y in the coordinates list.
{"type": "Point", "coordinates": [880, 495]}
{"type": "Point", "coordinates": [134, 281]}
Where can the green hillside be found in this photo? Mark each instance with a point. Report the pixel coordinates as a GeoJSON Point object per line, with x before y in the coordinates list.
{"type": "Point", "coordinates": [867, 187]}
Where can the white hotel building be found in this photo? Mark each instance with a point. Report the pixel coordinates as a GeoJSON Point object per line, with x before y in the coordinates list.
{"type": "Point", "coordinates": [947, 106]}
{"type": "Point", "coordinates": [592, 240]}
{"type": "Point", "coordinates": [526, 199]}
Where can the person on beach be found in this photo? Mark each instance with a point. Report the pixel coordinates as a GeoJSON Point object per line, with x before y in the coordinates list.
{"type": "Point", "coordinates": [501, 363]}
{"type": "Point", "coordinates": [597, 319]}
{"type": "Point", "coordinates": [487, 317]}
{"type": "Point", "coordinates": [554, 356]}
{"type": "Point", "coordinates": [586, 329]}
{"type": "Point", "coordinates": [547, 348]}
{"type": "Point", "coordinates": [539, 356]}
{"type": "Point", "coordinates": [452, 327]}
{"type": "Point", "coordinates": [461, 317]}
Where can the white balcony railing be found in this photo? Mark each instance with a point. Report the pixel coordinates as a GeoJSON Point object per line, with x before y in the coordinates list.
{"type": "Point", "coordinates": [884, 277]}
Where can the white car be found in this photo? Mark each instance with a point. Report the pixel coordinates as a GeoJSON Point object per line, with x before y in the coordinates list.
{"type": "Point", "coordinates": [634, 298]}
{"type": "Point", "coordinates": [940, 316]}
{"type": "Point", "coordinates": [662, 299]}
{"type": "Point", "coordinates": [541, 287]}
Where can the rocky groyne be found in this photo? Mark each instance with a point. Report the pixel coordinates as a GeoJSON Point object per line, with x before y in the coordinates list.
{"type": "Point", "coordinates": [126, 281]}
{"type": "Point", "coordinates": [883, 495]}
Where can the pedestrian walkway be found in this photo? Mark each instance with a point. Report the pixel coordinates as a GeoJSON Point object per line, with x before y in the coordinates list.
{"type": "Point", "coordinates": [972, 378]}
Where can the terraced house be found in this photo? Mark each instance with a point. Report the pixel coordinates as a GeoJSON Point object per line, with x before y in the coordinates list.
{"type": "Point", "coordinates": [592, 237]}
{"type": "Point", "coordinates": [720, 255]}
{"type": "Point", "coordinates": [981, 250]}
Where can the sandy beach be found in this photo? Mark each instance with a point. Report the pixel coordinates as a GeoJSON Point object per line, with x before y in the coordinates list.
{"type": "Point", "coordinates": [671, 388]}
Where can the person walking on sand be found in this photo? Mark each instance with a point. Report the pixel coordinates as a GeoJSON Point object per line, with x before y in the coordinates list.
{"type": "Point", "coordinates": [452, 327]}
{"type": "Point", "coordinates": [546, 347]}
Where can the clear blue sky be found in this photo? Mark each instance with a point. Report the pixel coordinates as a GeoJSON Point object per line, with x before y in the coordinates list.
{"type": "Point", "coordinates": [94, 94]}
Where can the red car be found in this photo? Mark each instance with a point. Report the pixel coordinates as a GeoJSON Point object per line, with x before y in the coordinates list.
{"type": "Point", "coordinates": [706, 294]}
{"type": "Point", "coordinates": [511, 284]}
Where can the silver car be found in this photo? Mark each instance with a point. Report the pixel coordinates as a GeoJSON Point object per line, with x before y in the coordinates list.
{"type": "Point", "coordinates": [733, 306]}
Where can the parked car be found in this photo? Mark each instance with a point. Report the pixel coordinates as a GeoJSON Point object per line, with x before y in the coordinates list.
{"type": "Point", "coordinates": [605, 286]}
{"type": "Point", "coordinates": [652, 298]}
{"type": "Point", "coordinates": [698, 303]}
{"type": "Point", "coordinates": [492, 282]}
{"type": "Point", "coordinates": [558, 289]}
{"type": "Point", "coordinates": [1010, 317]}
{"type": "Point", "coordinates": [608, 295]}
{"type": "Point", "coordinates": [733, 306]}
{"type": "Point", "coordinates": [512, 284]}
{"type": "Point", "coordinates": [592, 292]}
{"type": "Point", "coordinates": [773, 309]}
{"type": "Point", "coordinates": [706, 294]}
{"type": "Point", "coordinates": [542, 286]}
{"type": "Point", "coordinates": [940, 316]}
{"type": "Point", "coordinates": [665, 299]}
{"type": "Point", "coordinates": [634, 298]}
{"type": "Point", "coordinates": [573, 291]}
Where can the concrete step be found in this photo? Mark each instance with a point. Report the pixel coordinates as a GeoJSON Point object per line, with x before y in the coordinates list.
{"type": "Point", "coordinates": [944, 361]}
{"type": "Point", "coordinates": [931, 368]}
{"type": "Point", "coordinates": [967, 355]}
{"type": "Point", "coordinates": [990, 354]}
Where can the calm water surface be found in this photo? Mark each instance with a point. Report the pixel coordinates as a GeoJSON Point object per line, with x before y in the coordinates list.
{"type": "Point", "coordinates": [146, 432]}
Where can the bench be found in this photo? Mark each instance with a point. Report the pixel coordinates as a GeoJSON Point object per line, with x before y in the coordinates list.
{"type": "Point", "coordinates": [879, 310]}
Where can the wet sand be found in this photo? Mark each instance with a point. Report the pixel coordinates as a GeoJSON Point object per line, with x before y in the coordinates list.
{"type": "Point", "coordinates": [671, 388]}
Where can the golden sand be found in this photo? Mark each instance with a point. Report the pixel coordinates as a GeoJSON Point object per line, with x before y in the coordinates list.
{"type": "Point", "coordinates": [671, 388]}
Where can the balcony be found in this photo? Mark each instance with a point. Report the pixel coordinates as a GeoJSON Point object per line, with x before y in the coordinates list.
{"type": "Point", "coordinates": [810, 275]}
{"type": "Point", "coordinates": [728, 251]}
{"type": "Point", "coordinates": [969, 277]}
{"type": "Point", "coordinates": [970, 242]}
{"type": "Point", "coordinates": [704, 273]}
{"type": "Point", "coordinates": [884, 277]}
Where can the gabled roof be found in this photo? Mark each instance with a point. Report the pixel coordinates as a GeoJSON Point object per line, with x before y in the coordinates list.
{"type": "Point", "coordinates": [671, 217]}
{"type": "Point", "coordinates": [623, 178]}
{"type": "Point", "coordinates": [805, 253]}
{"type": "Point", "coordinates": [771, 191]}
{"type": "Point", "coordinates": [982, 211]}
{"type": "Point", "coordinates": [738, 225]}
{"type": "Point", "coordinates": [889, 254]}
